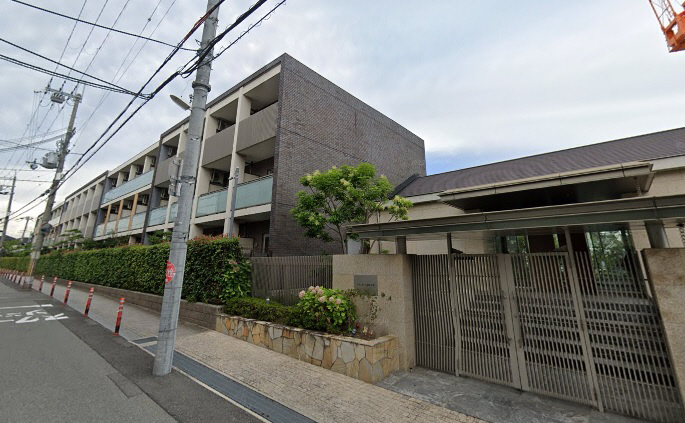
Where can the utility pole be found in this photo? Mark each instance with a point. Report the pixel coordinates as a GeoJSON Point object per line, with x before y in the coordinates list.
{"type": "Point", "coordinates": [52, 193]}
{"type": "Point", "coordinates": [9, 210]}
{"type": "Point", "coordinates": [177, 256]}
{"type": "Point", "coordinates": [26, 226]}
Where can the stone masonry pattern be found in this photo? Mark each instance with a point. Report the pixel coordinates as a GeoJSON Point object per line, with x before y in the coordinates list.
{"type": "Point", "coordinates": [369, 361]}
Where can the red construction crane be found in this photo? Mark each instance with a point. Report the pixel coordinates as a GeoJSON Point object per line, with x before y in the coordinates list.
{"type": "Point", "coordinates": [672, 24]}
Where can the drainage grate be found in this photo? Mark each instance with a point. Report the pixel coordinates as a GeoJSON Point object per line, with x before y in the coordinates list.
{"type": "Point", "coordinates": [248, 398]}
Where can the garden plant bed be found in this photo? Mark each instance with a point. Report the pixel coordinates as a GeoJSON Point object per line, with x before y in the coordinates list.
{"type": "Point", "coordinates": [366, 360]}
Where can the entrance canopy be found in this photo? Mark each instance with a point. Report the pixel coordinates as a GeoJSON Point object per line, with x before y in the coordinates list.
{"type": "Point", "coordinates": [669, 210]}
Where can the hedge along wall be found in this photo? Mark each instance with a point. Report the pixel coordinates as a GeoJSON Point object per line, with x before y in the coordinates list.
{"type": "Point", "coordinates": [142, 267]}
{"type": "Point", "coordinates": [15, 263]}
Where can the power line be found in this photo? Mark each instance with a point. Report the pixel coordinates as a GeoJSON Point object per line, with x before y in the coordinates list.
{"type": "Point", "coordinates": [69, 78]}
{"type": "Point", "coordinates": [115, 87]}
{"type": "Point", "coordinates": [115, 79]}
{"type": "Point", "coordinates": [79, 163]}
{"type": "Point", "coordinates": [95, 24]}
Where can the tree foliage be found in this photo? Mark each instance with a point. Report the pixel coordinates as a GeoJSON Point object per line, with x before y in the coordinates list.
{"type": "Point", "coordinates": [342, 196]}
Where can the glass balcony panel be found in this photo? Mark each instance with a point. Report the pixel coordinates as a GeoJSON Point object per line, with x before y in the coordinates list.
{"type": "Point", "coordinates": [211, 203]}
{"type": "Point", "coordinates": [128, 187]}
{"type": "Point", "coordinates": [172, 212]}
{"type": "Point", "coordinates": [123, 224]}
{"type": "Point", "coordinates": [157, 216]}
{"type": "Point", "coordinates": [138, 220]}
{"type": "Point", "coordinates": [98, 229]}
{"type": "Point", "coordinates": [254, 193]}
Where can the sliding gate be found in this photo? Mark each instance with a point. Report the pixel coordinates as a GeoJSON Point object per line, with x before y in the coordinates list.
{"type": "Point", "coordinates": [573, 329]}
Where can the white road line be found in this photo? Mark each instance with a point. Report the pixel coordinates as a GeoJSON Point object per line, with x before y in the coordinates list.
{"type": "Point", "coordinates": [6, 321]}
{"type": "Point", "coordinates": [27, 306]}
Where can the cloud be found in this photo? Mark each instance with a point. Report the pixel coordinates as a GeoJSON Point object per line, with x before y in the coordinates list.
{"type": "Point", "coordinates": [478, 81]}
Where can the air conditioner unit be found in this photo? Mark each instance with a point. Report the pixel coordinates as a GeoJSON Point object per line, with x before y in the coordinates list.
{"type": "Point", "coordinates": [144, 199]}
{"type": "Point", "coordinates": [164, 195]}
{"type": "Point", "coordinates": [128, 204]}
{"type": "Point", "coordinates": [219, 177]}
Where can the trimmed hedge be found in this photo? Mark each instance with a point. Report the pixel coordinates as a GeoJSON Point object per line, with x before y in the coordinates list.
{"type": "Point", "coordinates": [15, 263]}
{"type": "Point", "coordinates": [260, 309]}
{"type": "Point", "coordinates": [142, 267]}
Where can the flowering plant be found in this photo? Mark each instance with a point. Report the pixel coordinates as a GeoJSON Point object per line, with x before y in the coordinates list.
{"type": "Point", "coordinates": [325, 309]}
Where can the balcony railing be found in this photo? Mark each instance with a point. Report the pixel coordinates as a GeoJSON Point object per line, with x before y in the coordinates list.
{"type": "Point", "coordinates": [254, 193]}
{"type": "Point", "coordinates": [138, 220]}
{"type": "Point", "coordinates": [128, 187]}
{"type": "Point", "coordinates": [123, 224]}
{"type": "Point", "coordinates": [248, 194]}
{"type": "Point", "coordinates": [157, 216]}
{"type": "Point", "coordinates": [172, 212]}
{"type": "Point", "coordinates": [211, 203]}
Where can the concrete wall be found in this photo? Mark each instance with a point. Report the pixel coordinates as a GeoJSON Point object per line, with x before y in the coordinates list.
{"type": "Point", "coordinates": [395, 299]}
{"type": "Point", "coordinates": [666, 270]}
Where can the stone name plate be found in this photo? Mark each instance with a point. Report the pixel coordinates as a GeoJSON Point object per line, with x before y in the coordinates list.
{"type": "Point", "coordinates": [366, 283]}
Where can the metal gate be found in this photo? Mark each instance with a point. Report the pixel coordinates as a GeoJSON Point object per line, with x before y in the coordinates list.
{"type": "Point", "coordinates": [584, 330]}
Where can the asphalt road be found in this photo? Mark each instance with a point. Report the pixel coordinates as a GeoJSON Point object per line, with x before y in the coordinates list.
{"type": "Point", "coordinates": [56, 365]}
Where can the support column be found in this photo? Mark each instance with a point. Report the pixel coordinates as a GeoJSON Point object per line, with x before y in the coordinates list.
{"type": "Point", "coordinates": [121, 210]}
{"type": "Point", "coordinates": [237, 161]}
{"type": "Point", "coordinates": [656, 233]}
{"type": "Point", "coordinates": [133, 211]}
{"type": "Point", "coordinates": [104, 228]}
{"type": "Point", "coordinates": [401, 245]}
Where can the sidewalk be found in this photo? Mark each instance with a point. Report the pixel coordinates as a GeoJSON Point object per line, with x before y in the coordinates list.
{"type": "Point", "coordinates": [321, 395]}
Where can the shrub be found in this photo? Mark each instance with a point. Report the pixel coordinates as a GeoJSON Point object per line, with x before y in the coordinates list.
{"type": "Point", "coordinates": [257, 308]}
{"type": "Point", "coordinates": [15, 263]}
{"type": "Point", "coordinates": [142, 267]}
{"type": "Point", "coordinates": [236, 280]}
{"type": "Point", "coordinates": [324, 309]}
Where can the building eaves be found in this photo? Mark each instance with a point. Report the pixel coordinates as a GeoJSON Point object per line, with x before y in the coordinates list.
{"type": "Point", "coordinates": [645, 147]}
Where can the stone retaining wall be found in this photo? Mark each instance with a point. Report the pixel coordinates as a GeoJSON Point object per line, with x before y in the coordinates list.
{"type": "Point", "coordinates": [370, 361]}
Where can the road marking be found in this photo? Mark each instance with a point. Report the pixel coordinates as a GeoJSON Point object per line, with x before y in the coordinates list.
{"type": "Point", "coordinates": [56, 317]}
{"type": "Point", "coordinates": [27, 306]}
{"type": "Point", "coordinates": [6, 321]}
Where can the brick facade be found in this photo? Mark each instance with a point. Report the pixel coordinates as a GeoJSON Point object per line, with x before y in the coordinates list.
{"type": "Point", "coordinates": [320, 126]}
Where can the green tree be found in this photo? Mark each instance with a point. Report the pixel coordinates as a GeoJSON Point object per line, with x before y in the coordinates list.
{"type": "Point", "coordinates": [343, 196]}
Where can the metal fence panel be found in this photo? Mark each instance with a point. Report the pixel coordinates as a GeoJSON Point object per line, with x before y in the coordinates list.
{"type": "Point", "coordinates": [282, 278]}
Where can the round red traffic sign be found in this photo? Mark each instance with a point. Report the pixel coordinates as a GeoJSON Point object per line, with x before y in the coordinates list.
{"type": "Point", "coordinates": [170, 271]}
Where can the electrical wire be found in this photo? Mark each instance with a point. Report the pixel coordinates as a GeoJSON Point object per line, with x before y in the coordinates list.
{"type": "Point", "coordinates": [105, 94]}
{"type": "Point", "coordinates": [95, 24]}
{"type": "Point", "coordinates": [69, 78]}
{"type": "Point", "coordinates": [114, 87]}
{"type": "Point", "coordinates": [81, 161]}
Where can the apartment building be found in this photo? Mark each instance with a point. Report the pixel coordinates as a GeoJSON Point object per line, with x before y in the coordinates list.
{"type": "Point", "coordinates": [275, 126]}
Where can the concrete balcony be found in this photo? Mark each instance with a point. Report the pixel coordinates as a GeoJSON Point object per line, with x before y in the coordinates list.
{"type": "Point", "coordinates": [257, 128]}
{"type": "Point", "coordinates": [218, 146]}
{"type": "Point", "coordinates": [163, 171]}
{"type": "Point", "coordinates": [127, 188]}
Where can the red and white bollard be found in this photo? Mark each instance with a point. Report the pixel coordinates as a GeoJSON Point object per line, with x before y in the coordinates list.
{"type": "Point", "coordinates": [40, 287]}
{"type": "Point", "coordinates": [66, 294]}
{"type": "Point", "coordinates": [90, 298]}
{"type": "Point", "coordinates": [121, 310]}
{"type": "Point", "coordinates": [52, 290]}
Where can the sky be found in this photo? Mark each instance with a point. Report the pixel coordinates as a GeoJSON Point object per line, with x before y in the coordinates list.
{"type": "Point", "coordinates": [478, 81]}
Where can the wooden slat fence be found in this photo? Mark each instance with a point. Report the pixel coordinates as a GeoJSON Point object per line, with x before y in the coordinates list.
{"type": "Point", "coordinates": [282, 278]}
